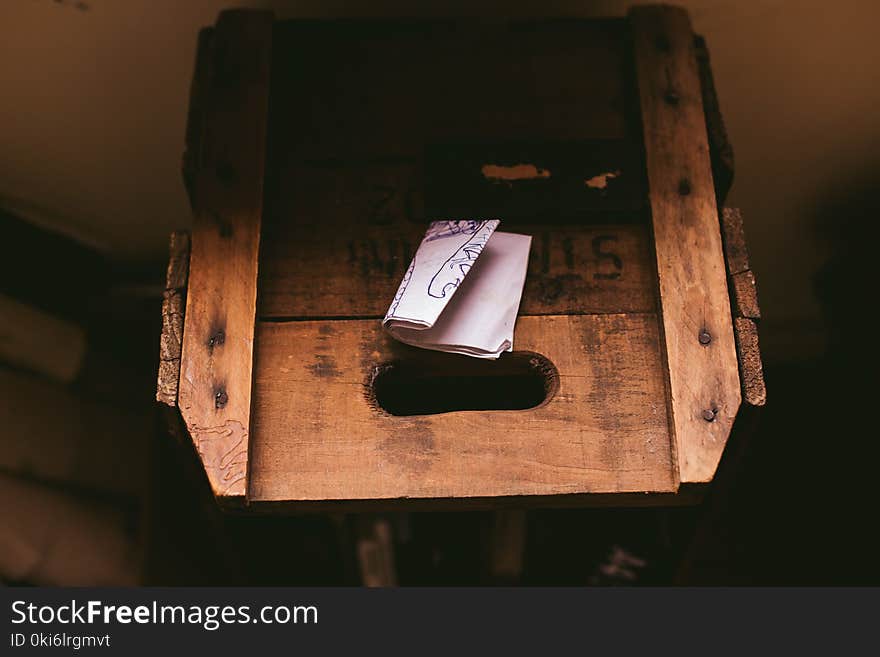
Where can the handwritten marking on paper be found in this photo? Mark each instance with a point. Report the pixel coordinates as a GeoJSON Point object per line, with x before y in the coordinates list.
{"type": "Point", "coordinates": [442, 259]}
{"type": "Point", "coordinates": [441, 229]}
{"type": "Point", "coordinates": [453, 271]}
{"type": "Point", "coordinates": [482, 323]}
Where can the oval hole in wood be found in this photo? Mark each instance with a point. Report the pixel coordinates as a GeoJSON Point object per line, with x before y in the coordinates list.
{"type": "Point", "coordinates": [445, 383]}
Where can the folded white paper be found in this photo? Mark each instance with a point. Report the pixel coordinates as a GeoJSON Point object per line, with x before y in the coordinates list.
{"type": "Point", "coordinates": [462, 290]}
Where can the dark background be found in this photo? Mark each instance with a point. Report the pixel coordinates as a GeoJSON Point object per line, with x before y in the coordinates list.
{"type": "Point", "coordinates": [91, 132]}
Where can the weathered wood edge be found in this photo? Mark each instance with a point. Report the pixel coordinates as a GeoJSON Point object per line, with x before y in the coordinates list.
{"type": "Point", "coordinates": [744, 304]}
{"type": "Point", "coordinates": [751, 368]}
{"type": "Point", "coordinates": [704, 387]}
{"type": "Point", "coordinates": [195, 118]}
{"type": "Point", "coordinates": [686, 496]}
{"type": "Point", "coordinates": [712, 517]}
{"type": "Point", "coordinates": [225, 167]}
{"type": "Point", "coordinates": [736, 251]}
{"type": "Point", "coordinates": [743, 294]}
{"type": "Point", "coordinates": [720, 148]}
{"type": "Point", "coordinates": [171, 340]}
{"type": "Point", "coordinates": [170, 343]}
{"type": "Point", "coordinates": [173, 305]}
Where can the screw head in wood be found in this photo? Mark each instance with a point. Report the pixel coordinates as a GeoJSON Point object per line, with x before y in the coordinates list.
{"type": "Point", "coordinates": [217, 338]}
{"type": "Point", "coordinates": [705, 337]}
{"type": "Point", "coordinates": [709, 414]}
{"type": "Point", "coordinates": [220, 398]}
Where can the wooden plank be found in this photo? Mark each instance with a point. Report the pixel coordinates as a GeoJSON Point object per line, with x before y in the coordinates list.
{"type": "Point", "coordinates": [697, 324]}
{"type": "Point", "coordinates": [217, 352]}
{"type": "Point", "coordinates": [754, 389]}
{"type": "Point", "coordinates": [365, 219]}
{"type": "Point", "coordinates": [173, 306]}
{"type": "Point", "coordinates": [720, 148]}
{"type": "Point", "coordinates": [736, 252]}
{"type": "Point", "coordinates": [572, 270]}
{"type": "Point", "coordinates": [195, 118]}
{"type": "Point", "coordinates": [684, 496]}
{"type": "Point", "coordinates": [744, 292]}
{"type": "Point", "coordinates": [39, 342]}
{"type": "Point", "coordinates": [745, 295]}
{"type": "Point", "coordinates": [744, 300]}
{"type": "Point", "coordinates": [319, 435]}
{"type": "Point", "coordinates": [713, 519]}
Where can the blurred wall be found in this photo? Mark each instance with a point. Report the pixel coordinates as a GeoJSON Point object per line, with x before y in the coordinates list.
{"type": "Point", "coordinates": [95, 96]}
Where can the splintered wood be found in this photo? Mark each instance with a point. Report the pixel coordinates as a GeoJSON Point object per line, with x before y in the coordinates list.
{"type": "Point", "coordinates": [173, 306]}
{"type": "Point", "coordinates": [744, 297]}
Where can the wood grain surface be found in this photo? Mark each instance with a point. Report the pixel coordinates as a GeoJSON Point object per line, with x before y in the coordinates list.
{"type": "Point", "coordinates": [697, 323]}
{"type": "Point", "coordinates": [572, 269]}
{"type": "Point", "coordinates": [173, 307]}
{"type": "Point", "coordinates": [318, 434]}
{"type": "Point", "coordinates": [747, 312]}
{"type": "Point", "coordinates": [626, 293]}
{"type": "Point", "coordinates": [227, 197]}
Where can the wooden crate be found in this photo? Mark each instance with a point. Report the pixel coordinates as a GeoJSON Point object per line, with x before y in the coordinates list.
{"type": "Point", "coordinates": [316, 154]}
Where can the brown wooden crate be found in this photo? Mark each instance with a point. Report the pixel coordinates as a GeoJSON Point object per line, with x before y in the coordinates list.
{"type": "Point", "coordinates": [376, 128]}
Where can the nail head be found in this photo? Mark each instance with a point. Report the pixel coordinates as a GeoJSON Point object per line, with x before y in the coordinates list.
{"type": "Point", "coordinates": [220, 399]}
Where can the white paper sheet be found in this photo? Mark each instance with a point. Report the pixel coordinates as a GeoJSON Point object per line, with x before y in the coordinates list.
{"type": "Point", "coordinates": [462, 290]}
